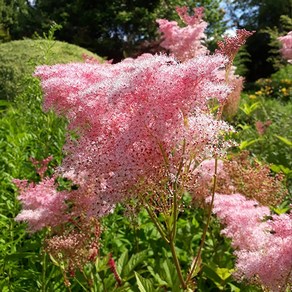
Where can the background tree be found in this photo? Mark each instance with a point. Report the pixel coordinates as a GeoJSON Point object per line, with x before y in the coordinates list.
{"type": "Point", "coordinates": [260, 15]}
{"type": "Point", "coordinates": [117, 28]}
{"type": "Point", "coordinates": [14, 16]}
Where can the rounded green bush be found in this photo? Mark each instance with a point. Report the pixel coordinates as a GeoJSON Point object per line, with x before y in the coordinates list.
{"type": "Point", "coordinates": [19, 59]}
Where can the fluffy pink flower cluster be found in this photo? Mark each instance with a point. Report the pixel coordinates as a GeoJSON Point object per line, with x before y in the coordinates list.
{"type": "Point", "coordinates": [184, 42]}
{"type": "Point", "coordinates": [137, 121]}
{"type": "Point", "coordinates": [287, 46]}
{"type": "Point", "coordinates": [42, 204]}
{"type": "Point", "coordinates": [262, 241]}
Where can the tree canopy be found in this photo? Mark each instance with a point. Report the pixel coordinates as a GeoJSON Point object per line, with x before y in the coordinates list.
{"type": "Point", "coordinates": [115, 29]}
{"type": "Point", "coordinates": [261, 16]}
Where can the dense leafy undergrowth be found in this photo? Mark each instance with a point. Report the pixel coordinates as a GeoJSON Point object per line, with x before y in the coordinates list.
{"type": "Point", "coordinates": [129, 236]}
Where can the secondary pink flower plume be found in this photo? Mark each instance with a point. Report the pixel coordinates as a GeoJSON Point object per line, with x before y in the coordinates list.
{"type": "Point", "coordinates": [286, 46]}
{"type": "Point", "coordinates": [263, 246]}
{"type": "Point", "coordinates": [184, 42]}
{"type": "Point", "coordinates": [230, 45]}
{"type": "Point", "coordinates": [42, 204]}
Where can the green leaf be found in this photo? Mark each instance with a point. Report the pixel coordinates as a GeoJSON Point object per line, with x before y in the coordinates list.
{"type": "Point", "coordinates": [169, 274]}
{"type": "Point", "coordinates": [217, 275]}
{"type": "Point", "coordinates": [101, 264]}
{"type": "Point", "coordinates": [233, 288]}
{"type": "Point", "coordinates": [144, 285]}
{"type": "Point", "coordinates": [280, 168]}
{"type": "Point", "coordinates": [156, 276]}
{"type": "Point", "coordinates": [284, 140]}
{"type": "Point", "coordinates": [280, 211]}
{"type": "Point", "coordinates": [246, 143]}
{"type": "Point", "coordinates": [134, 261]}
{"type": "Point", "coordinates": [248, 109]}
{"type": "Point", "coordinates": [224, 273]}
{"type": "Point", "coordinates": [123, 259]}
{"type": "Point", "coordinates": [243, 127]}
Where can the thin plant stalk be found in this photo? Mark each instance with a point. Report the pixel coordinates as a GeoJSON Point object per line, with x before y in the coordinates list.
{"type": "Point", "coordinates": [177, 264]}
{"type": "Point", "coordinates": [44, 272]}
{"type": "Point", "coordinates": [197, 258]}
{"type": "Point", "coordinates": [172, 234]}
{"type": "Point", "coordinates": [172, 242]}
{"type": "Point", "coordinates": [156, 223]}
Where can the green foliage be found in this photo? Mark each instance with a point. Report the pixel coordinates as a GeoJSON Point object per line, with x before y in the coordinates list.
{"type": "Point", "coordinates": [144, 262]}
{"type": "Point", "coordinates": [269, 147]}
{"type": "Point", "coordinates": [25, 131]}
{"type": "Point", "coordinates": [264, 128]}
{"type": "Point", "coordinates": [241, 61]}
{"type": "Point", "coordinates": [19, 58]}
{"type": "Point", "coordinates": [278, 86]}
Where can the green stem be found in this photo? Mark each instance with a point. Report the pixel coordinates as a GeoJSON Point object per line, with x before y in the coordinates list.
{"type": "Point", "coordinates": [172, 241]}
{"type": "Point", "coordinates": [156, 223]}
{"type": "Point", "coordinates": [174, 227]}
{"type": "Point", "coordinates": [177, 265]}
{"type": "Point", "coordinates": [196, 259]}
{"type": "Point", "coordinates": [44, 272]}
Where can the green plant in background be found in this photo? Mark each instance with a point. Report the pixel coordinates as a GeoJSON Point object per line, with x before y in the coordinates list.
{"type": "Point", "coordinates": [25, 131]}
{"type": "Point", "coordinates": [279, 85]}
{"type": "Point", "coordinates": [264, 127]}
{"type": "Point", "coordinates": [19, 58]}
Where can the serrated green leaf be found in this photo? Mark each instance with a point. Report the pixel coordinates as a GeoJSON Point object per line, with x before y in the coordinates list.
{"type": "Point", "coordinates": [144, 285]}
{"type": "Point", "coordinates": [156, 276]}
{"type": "Point", "coordinates": [170, 275]}
{"type": "Point", "coordinates": [122, 261]}
{"type": "Point", "coordinates": [134, 261]}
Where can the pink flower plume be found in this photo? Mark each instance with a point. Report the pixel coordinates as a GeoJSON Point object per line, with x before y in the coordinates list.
{"type": "Point", "coordinates": [262, 246]}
